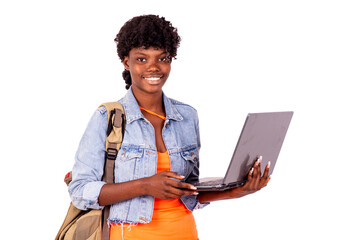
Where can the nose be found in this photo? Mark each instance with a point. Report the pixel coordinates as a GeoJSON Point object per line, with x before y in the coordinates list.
{"type": "Point", "coordinates": [153, 66]}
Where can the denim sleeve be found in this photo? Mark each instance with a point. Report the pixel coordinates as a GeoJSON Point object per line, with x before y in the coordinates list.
{"type": "Point", "coordinates": [88, 169]}
{"type": "Point", "coordinates": [194, 175]}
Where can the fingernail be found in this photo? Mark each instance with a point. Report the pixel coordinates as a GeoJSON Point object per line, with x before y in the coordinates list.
{"type": "Point", "coordinates": [195, 193]}
{"type": "Point", "coordinates": [193, 188]}
{"type": "Point", "coordinates": [182, 176]}
{"type": "Point", "coordinates": [268, 164]}
{"type": "Point", "coordinates": [251, 171]}
{"type": "Point", "coordinates": [259, 160]}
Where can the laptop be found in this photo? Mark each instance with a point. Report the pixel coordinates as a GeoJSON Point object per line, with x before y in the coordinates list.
{"type": "Point", "coordinates": [262, 135]}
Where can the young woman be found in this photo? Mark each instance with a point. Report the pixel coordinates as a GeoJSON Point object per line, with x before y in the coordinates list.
{"type": "Point", "coordinates": [153, 196]}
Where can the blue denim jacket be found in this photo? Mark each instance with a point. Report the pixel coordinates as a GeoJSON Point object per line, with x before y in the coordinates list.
{"type": "Point", "coordinates": [137, 157]}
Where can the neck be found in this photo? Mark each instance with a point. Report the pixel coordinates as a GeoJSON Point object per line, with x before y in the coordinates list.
{"type": "Point", "coordinates": [150, 101]}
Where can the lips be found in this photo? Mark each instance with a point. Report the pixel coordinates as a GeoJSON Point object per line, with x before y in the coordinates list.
{"type": "Point", "coordinates": [153, 79]}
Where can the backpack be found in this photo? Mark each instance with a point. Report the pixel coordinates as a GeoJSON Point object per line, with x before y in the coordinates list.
{"type": "Point", "coordinates": [92, 224]}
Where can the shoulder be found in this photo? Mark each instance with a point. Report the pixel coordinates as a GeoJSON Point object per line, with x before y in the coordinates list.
{"type": "Point", "coordinates": [186, 111]}
{"type": "Point", "coordinates": [99, 117]}
{"type": "Point", "coordinates": [181, 105]}
{"type": "Point", "coordinates": [102, 110]}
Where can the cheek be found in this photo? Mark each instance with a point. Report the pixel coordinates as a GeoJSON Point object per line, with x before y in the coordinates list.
{"type": "Point", "coordinates": [166, 69]}
{"type": "Point", "coordinates": [135, 71]}
{"type": "Point", "coordinates": [135, 68]}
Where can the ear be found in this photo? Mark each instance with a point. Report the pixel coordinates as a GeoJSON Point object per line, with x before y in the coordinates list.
{"type": "Point", "coordinates": [125, 62]}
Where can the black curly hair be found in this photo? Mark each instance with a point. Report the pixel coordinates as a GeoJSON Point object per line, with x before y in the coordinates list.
{"type": "Point", "coordinates": [146, 31]}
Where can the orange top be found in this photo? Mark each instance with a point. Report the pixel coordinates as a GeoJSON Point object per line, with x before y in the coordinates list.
{"type": "Point", "coordinates": [171, 219]}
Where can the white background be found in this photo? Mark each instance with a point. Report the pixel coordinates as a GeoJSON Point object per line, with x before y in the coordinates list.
{"type": "Point", "coordinates": [58, 63]}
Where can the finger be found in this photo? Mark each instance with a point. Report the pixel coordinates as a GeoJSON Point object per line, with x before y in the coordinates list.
{"type": "Point", "coordinates": [173, 175]}
{"type": "Point", "coordinates": [264, 178]}
{"type": "Point", "coordinates": [185, 186]}
{"type": "Point", "coordinates": [181, 185]}
{"type": "Point", "coordinates": [169, 192]}
{"type": "Point", "coordinates": [267, 169]}
{"type": "Point", "coordinates": [179, 192]}
{"type": "Point", "coordinates": [257, 174]}
{"type": "Point", "coordinates": [250, 180]}
{"type": "Point", "coordinates": [258, 161]}
{"type": "Point", "coordinates": [169, 196]}
{"type": "Point", "coordinates": [250, 175]}
{"type": "Point", "coordinates": [257, 169]}
{"type": "Point", "coordinates": [187, 193]}
{"type": "Point", "coordinates": [171, 183]}
{"type": "Point", "coordinates": [267, 181]}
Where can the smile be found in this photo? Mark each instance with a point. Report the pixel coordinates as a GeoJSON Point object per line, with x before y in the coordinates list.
{"type": "Point", "coordinates": [153, 78]}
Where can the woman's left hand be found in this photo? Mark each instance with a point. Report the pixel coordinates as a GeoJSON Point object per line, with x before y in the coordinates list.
{"type": "Point", "coordinates": [254, 182]}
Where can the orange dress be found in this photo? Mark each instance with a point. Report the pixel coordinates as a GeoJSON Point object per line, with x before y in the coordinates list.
{"type": "Point", "coordinates": [170, 220]}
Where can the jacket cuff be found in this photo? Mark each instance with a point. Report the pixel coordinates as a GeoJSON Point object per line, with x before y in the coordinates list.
{"type": "Point", "coordinates": [200, 205]}
{"type": "Point", "coordinates": [91, 194]}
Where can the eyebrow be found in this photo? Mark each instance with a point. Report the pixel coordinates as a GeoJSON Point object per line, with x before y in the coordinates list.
{"type": "Point", "coordinates": [143, 54]}
{"type": "Point", "coordinates": [140, 53]}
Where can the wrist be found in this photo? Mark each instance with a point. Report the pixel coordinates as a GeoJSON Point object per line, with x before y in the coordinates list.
{"type": "Point", "coordinates": [143, 185]}
{"type": "Point", "coordinates": [236, 192]}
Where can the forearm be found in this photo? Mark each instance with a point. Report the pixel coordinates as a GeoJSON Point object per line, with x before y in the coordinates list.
{"type": "Point", "coordinates": [118, 192]}
{"type": "Point", "coordinates": [212, 196]}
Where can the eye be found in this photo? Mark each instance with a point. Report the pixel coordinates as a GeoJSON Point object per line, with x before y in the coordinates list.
{"type": "Point", "coordinates": [165, 59]}
{"type": "Point", "coordinates": [141, 59]}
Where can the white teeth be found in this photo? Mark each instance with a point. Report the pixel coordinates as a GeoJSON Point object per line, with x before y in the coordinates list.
{"type": "Point", "coordinates": [153, 78]}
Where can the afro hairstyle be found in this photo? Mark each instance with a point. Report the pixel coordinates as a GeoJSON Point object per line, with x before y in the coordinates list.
{"type": "Point", "coordinates": [146, 31]}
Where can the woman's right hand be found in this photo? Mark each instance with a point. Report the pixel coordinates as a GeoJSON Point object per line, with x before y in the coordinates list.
{"type": "Point", "coordinates": [161, 185]}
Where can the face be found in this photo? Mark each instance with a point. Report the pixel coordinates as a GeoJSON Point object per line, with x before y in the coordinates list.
{"type": "Point", "coordinates": [149, 69]}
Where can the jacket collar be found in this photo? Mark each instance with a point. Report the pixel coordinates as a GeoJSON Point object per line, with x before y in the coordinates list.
{"type": "Point", "coordinates": [133, 112]}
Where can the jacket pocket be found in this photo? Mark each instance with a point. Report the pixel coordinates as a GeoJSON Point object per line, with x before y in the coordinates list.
{"type": "Point", "coordinates": [127, 154]}
{"type": "Point", "coordinates": [191, 155]}
{"type": "Point", "coordinates": [191, 165]}
{"type": "Point", "coordinates": [127, 162]}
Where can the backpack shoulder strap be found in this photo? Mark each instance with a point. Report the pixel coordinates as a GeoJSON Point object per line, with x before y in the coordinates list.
{"type": "Point", "coordinates": [116, 127]}
{"type": "Point", "coordinates": [115, 133]}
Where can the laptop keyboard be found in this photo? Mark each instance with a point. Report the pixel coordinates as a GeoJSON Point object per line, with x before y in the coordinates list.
{"type": "Point", "coordinates": [210, 181]}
